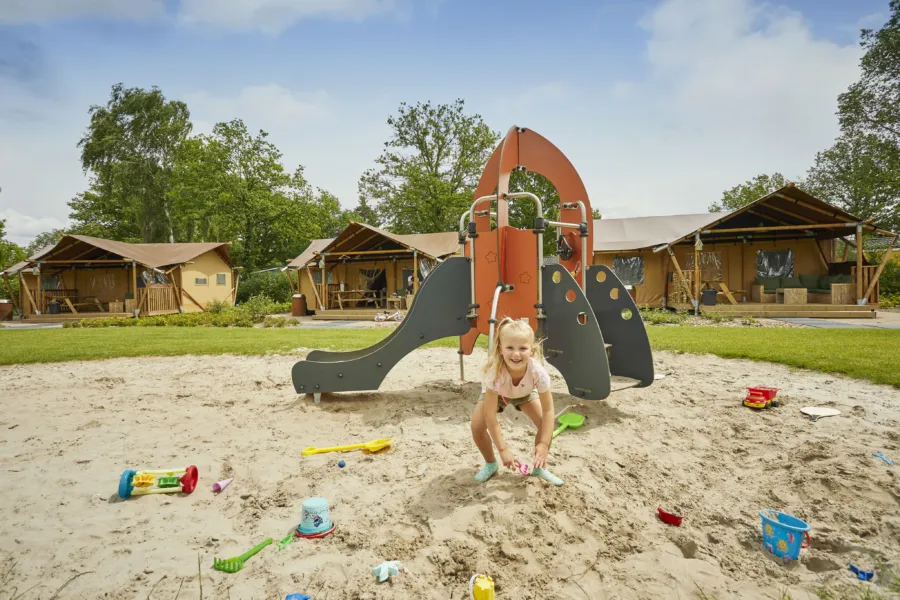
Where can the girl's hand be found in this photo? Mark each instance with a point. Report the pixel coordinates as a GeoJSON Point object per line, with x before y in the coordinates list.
{"type": "Point", "coordinates": [539, 455]}
{"type": "Point", "coordinates": [508, 458]}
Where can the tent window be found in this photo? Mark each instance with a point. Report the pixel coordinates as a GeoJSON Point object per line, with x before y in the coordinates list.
{"type": "Point", "coordinates": [220, 279]}
{"type": "Point", "coordinates": [200, 281]}
{"type": "Point", "coordinates": [317, 277]}
{"type": "Point", "coordinates": [710, 265]}
{"type": "Point", "coordinates": [629, 269]}
{"type": "Point", "coordinates": [775, 263]}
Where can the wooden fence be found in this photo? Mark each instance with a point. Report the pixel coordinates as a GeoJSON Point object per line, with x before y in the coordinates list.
{"type": "Point", "coordinates": [158, 299]}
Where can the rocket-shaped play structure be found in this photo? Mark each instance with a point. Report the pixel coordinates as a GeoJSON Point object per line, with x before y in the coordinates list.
{"type": "Point", "coordinates": [589, 324]}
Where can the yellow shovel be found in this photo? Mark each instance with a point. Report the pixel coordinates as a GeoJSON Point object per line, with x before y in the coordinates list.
{"type": "Point", "coordinates": [373, 446]}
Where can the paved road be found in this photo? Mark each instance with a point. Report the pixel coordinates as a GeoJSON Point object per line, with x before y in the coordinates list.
{"type": "Point", "coordinates": [835, 324]}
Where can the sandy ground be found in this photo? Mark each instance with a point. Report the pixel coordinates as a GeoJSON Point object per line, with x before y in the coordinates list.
{"type": "Point", "coordinates": [685, 443]}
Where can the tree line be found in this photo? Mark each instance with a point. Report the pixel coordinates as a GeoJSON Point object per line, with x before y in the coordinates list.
{"type": "Point", "coordinates": [860, 172]}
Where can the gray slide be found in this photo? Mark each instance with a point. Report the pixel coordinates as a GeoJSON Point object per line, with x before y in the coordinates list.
{"type": "Point", "coordinates": [439, 311]}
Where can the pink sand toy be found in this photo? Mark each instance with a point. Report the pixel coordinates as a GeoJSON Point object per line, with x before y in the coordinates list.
{"type": "Point", "coordinates": [221, 485]}
{"type": "Point", "coordinates": [524, 469]}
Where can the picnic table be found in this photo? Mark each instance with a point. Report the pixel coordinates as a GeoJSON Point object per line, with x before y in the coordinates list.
{"type": "Point", "coordinates": [355, 296]}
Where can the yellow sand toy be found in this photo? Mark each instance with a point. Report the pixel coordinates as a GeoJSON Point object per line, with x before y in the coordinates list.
{"type": "Point", "coordinates": [373, 446]}
{"type": "Point", "coordinates": [481, 587]}
{"type": "Point", "coordinates": [160, 481]}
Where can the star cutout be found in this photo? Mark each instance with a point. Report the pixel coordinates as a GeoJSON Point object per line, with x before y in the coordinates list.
{"type": "Point", "coordinates": [524, 278]}
{"type": "Point", "coordinates": [491, 257]}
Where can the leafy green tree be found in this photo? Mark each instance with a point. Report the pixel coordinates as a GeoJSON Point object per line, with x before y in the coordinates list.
{"type": "Point", "coordinates": [861, 174]}
{"type": "Point", "coordinates": [872, 104]}
{"type": "Point", "coordinates": [363, 213]}
{"type": "Point", "coordinates": [861, 171]}
{"type": "Point", "coordinates": [231, 185]}
{"type": "Point", "coordinates": [428, 171]}
{"type": "Point", "coordinates": [750, 191]}
{"type": "Point", "coordinates": [10, 254]}
{"type": "Point", "coordinates": [130, 148]}
{"type": "Point", "coordinates": [48, 238]}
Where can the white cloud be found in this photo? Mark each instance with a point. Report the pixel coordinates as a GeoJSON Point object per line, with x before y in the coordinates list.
{"type": "Point", "coordinates": [22, 228]}
{"type": "Point", "coordinates": [26, 11]}
{"type": "Point", "coordinates": [274, 16]}
{"type": "Point", "coordinates": [272, 106]}
{"type": "Point", "coordinates": [734, 88]}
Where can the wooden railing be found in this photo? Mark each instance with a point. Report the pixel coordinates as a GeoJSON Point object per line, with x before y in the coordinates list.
{"type": "Point", "coordinates": [157, 299]}
{"type": "Point", "coordinates": [48, 296]}
{"type": "Point", "coordinates": [868, 273]}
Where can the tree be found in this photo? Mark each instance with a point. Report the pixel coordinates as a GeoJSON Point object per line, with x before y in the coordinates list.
{"type": "Point", "coordinates": [861, 171]}
{"type": "Point", "coordinates": [130, 148]}
{"type": "Point", "coordinates": [872, 104]}
{"type": "Point", "coordinates": [231, 185]}
{"type": "Point", "coordinates": [10, 254]}
{"type": "Point", "coordinates": [48, 238]}
{"type": "Point", "coordinates": [363, 213]}
{"type": "Point", "coordinates": [860, 174]}
{"type": "Point", "coordinates": [428, 171]}
{"type": "Point", "coordinates": [749, 191]}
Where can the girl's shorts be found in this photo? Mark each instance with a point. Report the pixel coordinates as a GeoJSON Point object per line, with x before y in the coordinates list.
{"type": "Point", "coordinates": [515, 402]}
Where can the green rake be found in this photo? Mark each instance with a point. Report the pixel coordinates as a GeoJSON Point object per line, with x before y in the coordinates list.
{"type": "Point", "coordinates": [233, 565]}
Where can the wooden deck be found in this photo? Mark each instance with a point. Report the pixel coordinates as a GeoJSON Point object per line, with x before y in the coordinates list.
{"type": "Point", "coordinates": [769, 310]}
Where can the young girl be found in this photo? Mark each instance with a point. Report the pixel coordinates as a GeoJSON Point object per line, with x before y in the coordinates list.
{"type": "Point", "coordinates": [513, 376]}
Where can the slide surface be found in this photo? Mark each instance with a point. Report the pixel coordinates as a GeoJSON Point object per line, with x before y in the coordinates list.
{"type": "Point", "coordinates": [438, 311]}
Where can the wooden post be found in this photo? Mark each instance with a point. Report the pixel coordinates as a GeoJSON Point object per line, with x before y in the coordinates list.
{"type": "Point", "coordinates": [324, 284]}
{"type": "Point", "coordinates": [312, 282]}
{"type": "Point", "coordinates": [696, 275]}
{"type": "Point", "coordinates": [134, 284]}
{"type": "Point", "coordinates": [846, 250]}
{"type": "Point", "coordinates": [12, 296]}
{"type": "Point", "coordinates": [884, 259]}
{"type": "Point", "coordinates": [40, 291]}
{"type": "Point", "coordinates": [237, 285]}
{"type": "Point", "coordinates": [822, 256]}
{"type": "Point", "coordinates": [684, 281]}
{"type": "Point", "coordinates": [415, 272]}
{"type": "Point", "coordinates": [859, 264]}
{"type": "Point", "coordinates": [24, 287]}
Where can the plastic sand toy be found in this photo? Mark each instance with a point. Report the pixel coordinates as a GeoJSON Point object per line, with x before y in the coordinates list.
{"type": "Point", "coordinates": [233, 565]}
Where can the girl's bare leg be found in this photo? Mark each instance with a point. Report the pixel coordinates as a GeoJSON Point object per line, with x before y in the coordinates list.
{"type": "Point", "coordinates": [485, 445]}
{"type": "Point", "coordinates": [534, 411]}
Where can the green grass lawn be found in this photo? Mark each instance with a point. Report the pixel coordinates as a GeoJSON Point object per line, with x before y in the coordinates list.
{"type": "Point", "coordinates": [864, 353]}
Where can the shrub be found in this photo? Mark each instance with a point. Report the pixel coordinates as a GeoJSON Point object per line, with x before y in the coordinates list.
{"type": "Point", "coordinates": [889, 300]}
{"type": "Point", "coordinates": [661, 316]}
{"type": "Point", "coordinates": [279, 322]}
{"type": "Point", "coordinates": [272, 284]}
{"type": "Point", "coordinates": [218, 306]}
{"type": "Point", "coordinates": [257, 307]}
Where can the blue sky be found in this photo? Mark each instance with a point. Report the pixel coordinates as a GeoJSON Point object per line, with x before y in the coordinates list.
{"type": "Point", "coordinates": [660, 104]}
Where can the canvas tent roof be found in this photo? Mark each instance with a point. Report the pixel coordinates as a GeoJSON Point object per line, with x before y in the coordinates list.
{"type": "Point", "coordinates": [152, 255]}
{"type": "Point", "coordinates": [647, 232]}
{"type": "Point", "coordinates": [359, 237]}
{"type": "Point", "coordinates": [786, 207]}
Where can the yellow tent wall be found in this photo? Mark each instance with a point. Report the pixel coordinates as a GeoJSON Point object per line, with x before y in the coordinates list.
{"type": "Point", "coordinates": [203, 279]}
{"type": "Point", "coordinates": [738, 265]}
{"type": "Point", "coordinates": [349, 274]}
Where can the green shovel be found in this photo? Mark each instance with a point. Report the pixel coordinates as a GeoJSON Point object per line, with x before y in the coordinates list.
{"type": "Point", "coordinates": [566, 420]}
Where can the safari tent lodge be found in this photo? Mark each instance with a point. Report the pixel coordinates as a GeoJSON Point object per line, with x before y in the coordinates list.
{"type": "Point", "coordinates": [777, 257]}
{"type": "Point", "coordinates": [88, 277]}
{"type": "Point", "coordinates": [365, 270]}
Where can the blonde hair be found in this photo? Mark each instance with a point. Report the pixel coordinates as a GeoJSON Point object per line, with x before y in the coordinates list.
{"type": "Point", "coordinates": [515, 326]}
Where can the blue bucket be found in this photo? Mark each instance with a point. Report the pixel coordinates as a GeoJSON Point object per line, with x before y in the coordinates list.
{"type": "Point", "coordinates": [315, 518]}
{"type": "Point", "coordinates": [783, 534]}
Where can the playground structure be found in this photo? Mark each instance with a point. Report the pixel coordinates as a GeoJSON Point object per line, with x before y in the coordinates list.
{"type": "Point", "coordinates": [588, 323]}
{"type": "Point", "coordinates": [158, 481]}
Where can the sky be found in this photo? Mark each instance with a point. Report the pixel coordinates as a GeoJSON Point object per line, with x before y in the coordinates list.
{"type": "Point", "coordinates": [660, 105]}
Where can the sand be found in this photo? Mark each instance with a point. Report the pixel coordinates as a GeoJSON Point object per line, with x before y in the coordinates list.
{"type": "Point", "coordinates": [685, 443]}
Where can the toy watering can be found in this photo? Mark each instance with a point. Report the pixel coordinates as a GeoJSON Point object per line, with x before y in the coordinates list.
{"type": "Point", "coordinates": [481, 587]}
